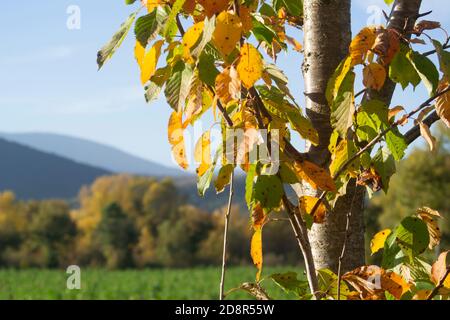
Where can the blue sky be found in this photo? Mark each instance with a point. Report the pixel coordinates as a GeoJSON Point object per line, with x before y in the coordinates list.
{"type": "Point", "coordinates": [49, 80]}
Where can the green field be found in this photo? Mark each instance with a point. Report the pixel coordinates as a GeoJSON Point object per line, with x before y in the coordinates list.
{"type": "Point", "coordinates": [197, 283]}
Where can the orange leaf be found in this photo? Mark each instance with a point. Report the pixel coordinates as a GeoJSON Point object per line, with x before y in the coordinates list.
{"type": "Point", "coordinates": [306, 205]}
{"type": "Point", "coordinates": [316, 176]}
{"type": "Point", "coordinates": [374, 76]}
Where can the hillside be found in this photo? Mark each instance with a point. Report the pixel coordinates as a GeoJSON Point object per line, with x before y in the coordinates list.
{"type": "Point", "coordinates": [92, 153]}
{"type": "Point", "coordinates": [33, 174]}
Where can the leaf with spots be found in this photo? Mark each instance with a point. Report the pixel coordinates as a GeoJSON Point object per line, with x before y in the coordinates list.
{"type": "Point", "coordinates": [289, 282]}
{"type": "Point", "coordinates": [176, 139]}
{"type": "Point", "coordinates": [374, 76]}
{"type": "Point", "coordinates": [202, 153]}
{"type": "Point", "coordinates": [379, 240]}
{"type": "Point", "coordinates": [361, 45]}
{"type": "Point", "coordinates": [228, 32]}
{"type": "Point", "coordinates": [443, 104]}
{"type": "Point", "coordinates": [306, 205]}
{"type": "Point", "coordinates": [268, 191]}
{"type": "Point", "coordinates": [250, 67]}
{"type": "Point", "coordinates": [430, 217]}
{"type": "Point", "coordinates": [316, 176]}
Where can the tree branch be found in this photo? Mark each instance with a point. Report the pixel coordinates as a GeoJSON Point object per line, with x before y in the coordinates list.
{"type": "Point", "coordinates": [414, 132]}
{"type": "Point", "coordinates": [225, 239]}
{"type": "Point", "coordinates": [440, 285]}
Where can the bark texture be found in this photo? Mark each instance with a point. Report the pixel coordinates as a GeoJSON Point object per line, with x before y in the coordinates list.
{"type": "Point", "coordinates": [327, 38]}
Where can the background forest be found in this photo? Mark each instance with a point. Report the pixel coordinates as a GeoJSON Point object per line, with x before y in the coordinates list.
{"type": "Point", "coordinates": [125, 221]}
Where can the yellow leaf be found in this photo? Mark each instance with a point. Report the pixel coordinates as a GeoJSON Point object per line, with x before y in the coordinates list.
{"type": "Point", "coordinates": [175, 128]}
{"type": "Point", "coordinates": [227, 33]}
{"type": "Point", "coordinates": [361, 45]}
{"type": "Point", "coordinates": [378, 240]}
{"type": "Point", "coordinates": [256, 252]}
{"type": "Point", "coordinates": [336, 82]}
{"type": "Point", "coordinates": [150, 61]}
{"type": "Point", "coordinates": [176, 139]}
{"type": "Point", "coordinates": [443, 104]}
{"type": "Point", "coordinates": [151, 4]}
{"type": "Point", "coordinates": [374, 76]}
{"type": "Point", "coordinates": [306, 205]}
{"type": "Point", "coordinates": [213, 7]}
{"type": "Point", "coordinates": [202, 153]}
{"type": "Point", "coordinates": [191, 38]}
{"type": "Point", "coordinates": [316, 176]}
{"type": "Point", "coordinates": [250, 67]}
{"type": "Point", "coordinates": [139, 53]}
{"type": "Point", "coordinates": [297, 45]}
{"type": "Point", "coordinates": [341, 154]}
{"type": "Point", "coordinates": [179, 153]}
{"type": "Point", "coordinates": [430, 217]}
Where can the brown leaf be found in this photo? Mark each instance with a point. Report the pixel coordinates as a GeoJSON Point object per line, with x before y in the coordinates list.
{"type": "Point", "coordinates": [430, 217]}
{"type": "Point", "coordinates": [425, 132]}
{"type": "Point", "coordinates": [443, 104]}
{"type": "Point", "coordinates": [439, 270]}
{"type": "Point", "coordinates": [423, 25]}
{"type": "Point", "coordinates": [372, 282]}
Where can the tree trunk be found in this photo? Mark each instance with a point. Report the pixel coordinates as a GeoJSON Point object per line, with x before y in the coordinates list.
{"type": "Point", "coordinates": [327, 32]}
{"type": "Point", "coordinates": [327, 37]}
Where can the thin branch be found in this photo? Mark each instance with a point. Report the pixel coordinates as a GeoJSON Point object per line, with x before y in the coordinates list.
{"type": "Point", "coordinates": [301, 234]}
{"type": "Point", "coordinates": [429, 53]}
{"type": "Point", "coordinates": [414, 132]}
{"type": "Point", "coordinates": [180, 25]}
{"type": "Point", "coordinates": [440, 285]}
{"type": "Point", "coordinates": [344, 245]}
{"type": "Point", "coordinates": [225, 239]}
{"type": "Point", "coordinates": [375, 141]}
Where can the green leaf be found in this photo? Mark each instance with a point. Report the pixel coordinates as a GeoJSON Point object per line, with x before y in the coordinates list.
{"type": "Point", "coordinates": [110, 48]}
{"type": "Point", "coordinates": [444, 58]}
{"type": "Point", "coordinates": [263, 33]}
{"type": "Point", "coordinates": [426, 70]}
{"type": "Point", "coordinates": [289, 283]}
{"type": "Point", "coordinates": [370, 118]}
{"type": "Point", "coordinates": [171, 27]}
{"type": "Point", "coordinates": [384, 164]}
{"type": "Point", "coordinates": [130, 1]}
{"type": "Point", "coordinates": [391, 257]}
{"type": "Point", "coordinates": [268, 191]}
{"type": "Point", "coordinates": [402, 71]}
{"type": "Point", "coordinates": [148, 26]}
{"type": "Point", "coordinates": [396, 144]}
{"type": "Point", "coordinates": [207, 70]}
{"type": "Point", "coordinates": [178, 86]}
{"type": "Point", "coordinates": [293, 7]}
{"type": "Point", "coordinates": [223, 177]}
{"type": "Point", "coordinates": [303, 126]}
{"type": "Point", "coordinates": [412, 237]}
{"type": "Point", "coordinates": [389, 2]}
{"type": "Point", "coordinates": [343, 107]}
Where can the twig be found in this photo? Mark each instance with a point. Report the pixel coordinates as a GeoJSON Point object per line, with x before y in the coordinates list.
{"type": "Point", "coordinates": [375, 141]}
{"type": "Point", "coordinates": [344, 245]}
{"type": "Point", "coordinates": [429, 53]}
{"type": "Point", "coordinates": [180, 25]}
{"type": "Point", "coordinates": [440, 285]}
{"type": "Point", "coordinates": [301, 234]}
{"type": "Point", "coordinates": [414, 132]}
{"type": "Point", "coordinates": [225, 239]}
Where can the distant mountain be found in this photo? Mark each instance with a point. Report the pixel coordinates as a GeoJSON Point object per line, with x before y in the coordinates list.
{"type": "Point", "coordinates": [33, 174]}
{"type": "Point", "coordinates": [92, 153]}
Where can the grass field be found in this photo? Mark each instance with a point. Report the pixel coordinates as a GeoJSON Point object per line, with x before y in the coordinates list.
{"type": "Point", "coordinates": [197, 283]}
